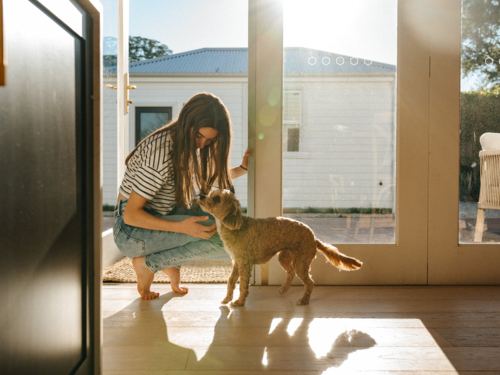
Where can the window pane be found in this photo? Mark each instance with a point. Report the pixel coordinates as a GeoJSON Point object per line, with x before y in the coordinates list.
{"type": "Point", "coordinates": [480, 114]}
{"type": "Point", "coordinates": [293, 139]}
{"type": "Point", "coordinates": [340, 87]}
{"type": "Point", "coordinates": [151, 122]}
{"type": "Point", "coordinates": [291, 106]}
{"type": "Point", "coordinates": [149, 119]}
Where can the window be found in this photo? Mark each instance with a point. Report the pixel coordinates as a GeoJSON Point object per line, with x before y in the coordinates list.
{"type": "Point", "coordinates": [291, 121]}
{"type": "Point", "coordinates": [479, 219]}
{"type": "Point", "coordinates": [339, 118]}
{"type": "Point", "coordinates": [148, 119]}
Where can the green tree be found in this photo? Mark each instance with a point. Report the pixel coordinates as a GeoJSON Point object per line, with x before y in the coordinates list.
{"type": "Point", "coordinates": [481, 38]}
{"type": "Point", "coordinates": [144, 49]}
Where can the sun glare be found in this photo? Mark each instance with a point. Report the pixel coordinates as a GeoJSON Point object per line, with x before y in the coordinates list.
{"type": "Point", "coordinates": [365, 29]}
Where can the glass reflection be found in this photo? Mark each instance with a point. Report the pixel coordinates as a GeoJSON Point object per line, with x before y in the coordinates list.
{"type": "Point", "coordinates": [339, 118]}
{"type": "Point", "coordinates": [479, 123]}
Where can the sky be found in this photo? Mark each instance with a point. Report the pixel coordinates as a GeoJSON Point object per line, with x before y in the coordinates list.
{"type": "Point", "coordinates": [366, 29]}
{"type": "Point", "coordinates": [368, 32]}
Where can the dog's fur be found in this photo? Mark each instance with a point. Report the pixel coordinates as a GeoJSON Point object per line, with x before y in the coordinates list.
{"type": "Point", "coordinates": [255, 241]}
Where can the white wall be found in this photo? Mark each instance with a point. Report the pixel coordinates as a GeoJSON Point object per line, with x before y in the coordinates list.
{"type": "Point", "coordinates": [109, 189]}
{"type": "Point", "coordinates": [346, 144]}
{"type": "Point", "coordinates": [346, 139]}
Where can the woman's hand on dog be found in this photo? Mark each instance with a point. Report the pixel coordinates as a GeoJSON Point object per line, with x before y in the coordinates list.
{"type": "Point", "coordinates": [190, 226]}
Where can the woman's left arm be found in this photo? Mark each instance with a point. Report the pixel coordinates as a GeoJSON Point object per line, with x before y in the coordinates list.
{"type": "Point", "coordinates": [243, 168]}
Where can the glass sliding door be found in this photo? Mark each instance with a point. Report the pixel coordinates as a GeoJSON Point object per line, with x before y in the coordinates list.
{"type": "Point", "coordinates": [354, 135]}
{"type": "Point", "coordinates": [176, 52]}
{"type": "Point", "coordinates": [462, 108]}
{"type": "Point", "coordinates": [479, 114]}
{"type": "Point", "coordinates": [339, 118]}
{"type": "Point", "coordinates": [181, 48]}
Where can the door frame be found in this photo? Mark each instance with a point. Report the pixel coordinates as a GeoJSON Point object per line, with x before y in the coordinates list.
{"type": "Point", "coordinates": [404, 262]}
{"type": "Point", "coordinates": [94, 177]}
{"type": "Point", "coordinates": [450, 263]}
{"type": "Point", "coordinates": [426, 249]}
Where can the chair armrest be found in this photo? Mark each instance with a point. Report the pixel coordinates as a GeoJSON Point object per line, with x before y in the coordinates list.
{"type": "Point", "coordinates": [484, 153]}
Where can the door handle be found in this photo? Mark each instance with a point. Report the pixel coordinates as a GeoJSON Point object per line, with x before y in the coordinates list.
{"type": "Point", "coordinates": [127, 87]}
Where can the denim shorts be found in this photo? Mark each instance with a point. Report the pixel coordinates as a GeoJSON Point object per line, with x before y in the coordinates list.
{"type": "Point", "coordinates": [164, 249]}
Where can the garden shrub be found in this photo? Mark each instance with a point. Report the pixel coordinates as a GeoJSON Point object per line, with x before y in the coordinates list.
{"type": "Point", "coordinates": [479, 114]}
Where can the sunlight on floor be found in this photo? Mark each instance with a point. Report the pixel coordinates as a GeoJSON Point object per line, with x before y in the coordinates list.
{"type": "Point", "coordinates": [339, 338]}
{"type": "Point", "coordinates": [328, 336]}
{"type": "Point", "coordinates": [264, 358]}
{"type": "Point", "coordinates": [274, 324]}
{"type": "Point", "coordinates": [293, 325]}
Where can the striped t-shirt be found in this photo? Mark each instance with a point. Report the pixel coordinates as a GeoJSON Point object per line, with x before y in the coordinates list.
{"type": "Point", "coordinates": [150, 173]}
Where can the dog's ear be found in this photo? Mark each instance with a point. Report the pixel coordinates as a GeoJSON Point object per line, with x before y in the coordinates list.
{"type": "Point", "coordinates": [233, 221]}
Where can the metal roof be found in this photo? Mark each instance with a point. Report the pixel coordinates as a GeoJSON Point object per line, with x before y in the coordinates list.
{"type": "Point", "coordinates": [297, 60]}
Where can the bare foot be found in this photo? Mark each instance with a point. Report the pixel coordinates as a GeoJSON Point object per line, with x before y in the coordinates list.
{"type": "Point", "coordinates": [144, 278]}
{"type": "Point", "coordinates": [174, 274]}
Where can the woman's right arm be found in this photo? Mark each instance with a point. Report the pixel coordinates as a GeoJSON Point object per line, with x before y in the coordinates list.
{"type": "Point", "coordinates": [135, 215]}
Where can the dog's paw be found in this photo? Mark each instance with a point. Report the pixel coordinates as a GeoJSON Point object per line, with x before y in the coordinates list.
{"type": "Point", "coordinates": [237, 303]}
{"type": "Point", "coordinates": [283, 290]}
{"type": "Point", "coordinates": [303, 301]}
{"type": "Point", "coordinates": [226, 300]}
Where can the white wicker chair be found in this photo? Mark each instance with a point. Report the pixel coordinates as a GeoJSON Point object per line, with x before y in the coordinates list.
{"type": "Point", "coordinates": [489, 195]}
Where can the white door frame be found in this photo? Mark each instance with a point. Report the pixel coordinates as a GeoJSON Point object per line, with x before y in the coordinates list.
{"type": "Point", "coordinates": [122, 73]}
{"type": "Point", "coordinates": [450, 263]}
{"type": "Point", "coordinates": [404, 262]}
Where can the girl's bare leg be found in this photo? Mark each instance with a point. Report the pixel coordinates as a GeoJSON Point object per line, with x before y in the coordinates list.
{"type": "Point", "coordinates": [174, 274]}
{"type": "Point", "coordinates": [144, 278]}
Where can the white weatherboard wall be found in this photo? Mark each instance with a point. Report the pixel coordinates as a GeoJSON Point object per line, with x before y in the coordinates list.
{"type": "Point", "coordinates": [174, 92]}
{"type": "Point", "coordinates": [109, 189]}
{"type": "Point", "coordinates": [347, 135]}
{"type": "Point", "coordinates": [347, 144]}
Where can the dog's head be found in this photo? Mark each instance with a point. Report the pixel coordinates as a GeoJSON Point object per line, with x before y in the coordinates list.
{"type": "Point", "coordinates": [224, 206]}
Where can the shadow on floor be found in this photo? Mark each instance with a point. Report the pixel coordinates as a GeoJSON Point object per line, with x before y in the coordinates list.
{"type": "Point", "coordinates": [235, 342]}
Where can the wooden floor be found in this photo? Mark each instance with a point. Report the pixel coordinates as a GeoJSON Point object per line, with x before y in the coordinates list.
{"type": "Point", "coordinates": [344, 330]}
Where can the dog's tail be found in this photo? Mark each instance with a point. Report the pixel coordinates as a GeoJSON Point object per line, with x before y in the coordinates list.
{"type": "Point", "coordinates": [339, 260]}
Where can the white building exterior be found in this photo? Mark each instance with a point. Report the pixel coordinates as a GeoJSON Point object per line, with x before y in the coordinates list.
{"type": "Point", "coordinates": [345, 122]}
{"type": "Point", "coordinates": [174, 92]}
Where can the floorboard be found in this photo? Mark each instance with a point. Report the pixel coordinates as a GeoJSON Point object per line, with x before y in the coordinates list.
{"type": "Point", "coordinates": [355, 330]}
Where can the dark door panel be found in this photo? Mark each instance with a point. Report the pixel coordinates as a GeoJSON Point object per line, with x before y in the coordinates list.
{"type": "Point", "coordinates": [43, 314]}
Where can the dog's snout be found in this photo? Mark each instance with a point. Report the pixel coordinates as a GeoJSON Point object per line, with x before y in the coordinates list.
{"type": "Point", "coordinates": [202, 197]}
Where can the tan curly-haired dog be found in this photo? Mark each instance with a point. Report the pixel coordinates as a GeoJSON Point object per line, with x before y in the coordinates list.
{"type": "Point", "coordinates": [255, 241]}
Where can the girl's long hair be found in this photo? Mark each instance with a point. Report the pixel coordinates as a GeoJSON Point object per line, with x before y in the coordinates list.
{"type": "Point", "coordinates": [211, 165]}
